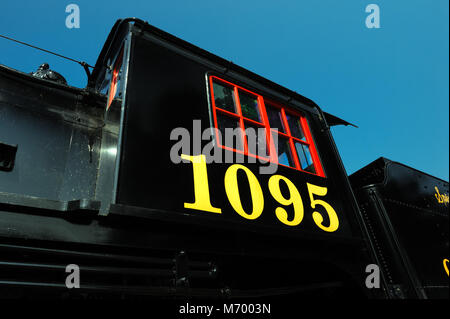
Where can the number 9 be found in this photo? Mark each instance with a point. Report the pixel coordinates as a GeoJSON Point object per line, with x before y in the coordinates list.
{"type": "Point", "coordinates": [294, 199]}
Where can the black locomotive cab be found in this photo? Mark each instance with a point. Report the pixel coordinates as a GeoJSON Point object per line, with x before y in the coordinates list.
{"type": "Point", "coordinates": [174, 104]}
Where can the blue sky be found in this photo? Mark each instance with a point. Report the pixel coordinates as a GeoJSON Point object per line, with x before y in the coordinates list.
{"type": "Point", "coordinates": [392, 82]}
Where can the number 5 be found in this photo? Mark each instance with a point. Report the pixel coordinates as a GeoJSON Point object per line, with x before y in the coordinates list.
{"type": "Point", "coordinates": [318, 218]}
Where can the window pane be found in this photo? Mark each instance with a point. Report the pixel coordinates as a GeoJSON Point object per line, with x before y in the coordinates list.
{"type": "Point", "coordinates": [304, 156]}
{"type": "Point", "coordinates": [275, 118]}
{"type": "Point", "coordinates": [295, 127]}
{"type": "Point", "coordinates": [224, 97]}
{"type": "Point", "coordinates": [256, 140]}
{"type": "Point", "coordinates": [283, 150]}
{"type": "Point", "coordinates": [230, 132]}
{"type": "Point", "coordinates": [249, 106]}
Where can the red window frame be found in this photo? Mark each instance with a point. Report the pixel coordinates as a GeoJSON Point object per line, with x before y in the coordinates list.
{"type": "Point", "coordinates": [265, 124]}
{"type": "Point", "coordinates": [115, 79]}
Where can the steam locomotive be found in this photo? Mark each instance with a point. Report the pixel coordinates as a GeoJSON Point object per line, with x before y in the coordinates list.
{"type": "Point", "coordinates": [109, 179]}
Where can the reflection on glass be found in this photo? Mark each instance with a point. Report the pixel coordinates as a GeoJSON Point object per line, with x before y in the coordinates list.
{"type": "Point", "coordinates": [295, 127]}
{"type": "Point", "coordinates": [256, 140]}
{"type": "Point", "coordinates": [249, 106]}
{"type": "Point", "coordinates": [304, 156]}
{"type": "Point", "coordinates": [230, 132]}
{"type": "Point", "coordinates": [224, 97]}
{"type": "Point", "coordinates": [284, 152]}
{"type": "Point", "coordinates": [275, 118]}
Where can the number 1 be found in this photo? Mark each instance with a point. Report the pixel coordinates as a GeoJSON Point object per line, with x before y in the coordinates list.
{"type": "Point", "coordinates": [201, 188]}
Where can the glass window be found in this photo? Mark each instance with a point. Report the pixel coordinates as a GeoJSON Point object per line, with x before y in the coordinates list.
{"type": "Point", "coordinates": [249, 116]}
{"type": "Point", "coordinates": [115, 79]}
{"type": "Point", "coordinates": [284, 152]}
{"type": "Point", "coordinates": [249, 106]}
{"type": "Point", "coordinates": [295, 126]}
{"type": "Point", "coordinates": [230, 131]}
{"type": "Point", "coordinates": [274, 116]}
{"type": "Point", "coordinates": [224, 97]}
{"type": "Point", "coordinates": [305, 158]}
{"type": "Point", "coordinates": [256, 139]}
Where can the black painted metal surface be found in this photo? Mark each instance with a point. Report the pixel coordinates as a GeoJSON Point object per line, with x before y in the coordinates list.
{"type": "Point", "coordinates": [408, 210]}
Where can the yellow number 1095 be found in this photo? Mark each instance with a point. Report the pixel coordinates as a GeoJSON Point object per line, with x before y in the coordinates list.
{"type": "Point", "coordinates": [203, 200]}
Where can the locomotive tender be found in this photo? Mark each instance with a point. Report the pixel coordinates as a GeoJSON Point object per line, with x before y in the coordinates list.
{"type": "Point", "coordinates": [88, 178]}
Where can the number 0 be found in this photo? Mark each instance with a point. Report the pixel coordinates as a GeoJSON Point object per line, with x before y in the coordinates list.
{"type": "Point", "coordinates": [232, 190]}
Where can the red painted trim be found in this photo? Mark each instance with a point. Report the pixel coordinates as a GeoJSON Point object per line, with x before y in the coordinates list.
{"type": "Point", "coordinates": [312, 147]}
{"type": "Point", "coordinates": [265, 123]}
{"type": "Point", "coordinates": [228, 113]}
{"type": "Point", "coordinates": [114, 79]}
{"type": "Point", "coordinates": [253, 122]}
{"type": "Point", "coordinates": [291, 142]}
{"type": "Point", "coordinates": [241, 120]}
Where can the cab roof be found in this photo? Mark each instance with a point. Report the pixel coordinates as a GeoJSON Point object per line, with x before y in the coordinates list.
{"type": "Point", "coordinates": [121, 27]}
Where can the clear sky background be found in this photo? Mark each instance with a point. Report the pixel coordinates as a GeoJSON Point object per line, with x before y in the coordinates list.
{"type": "Point", "coordinates": [392, 82]}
